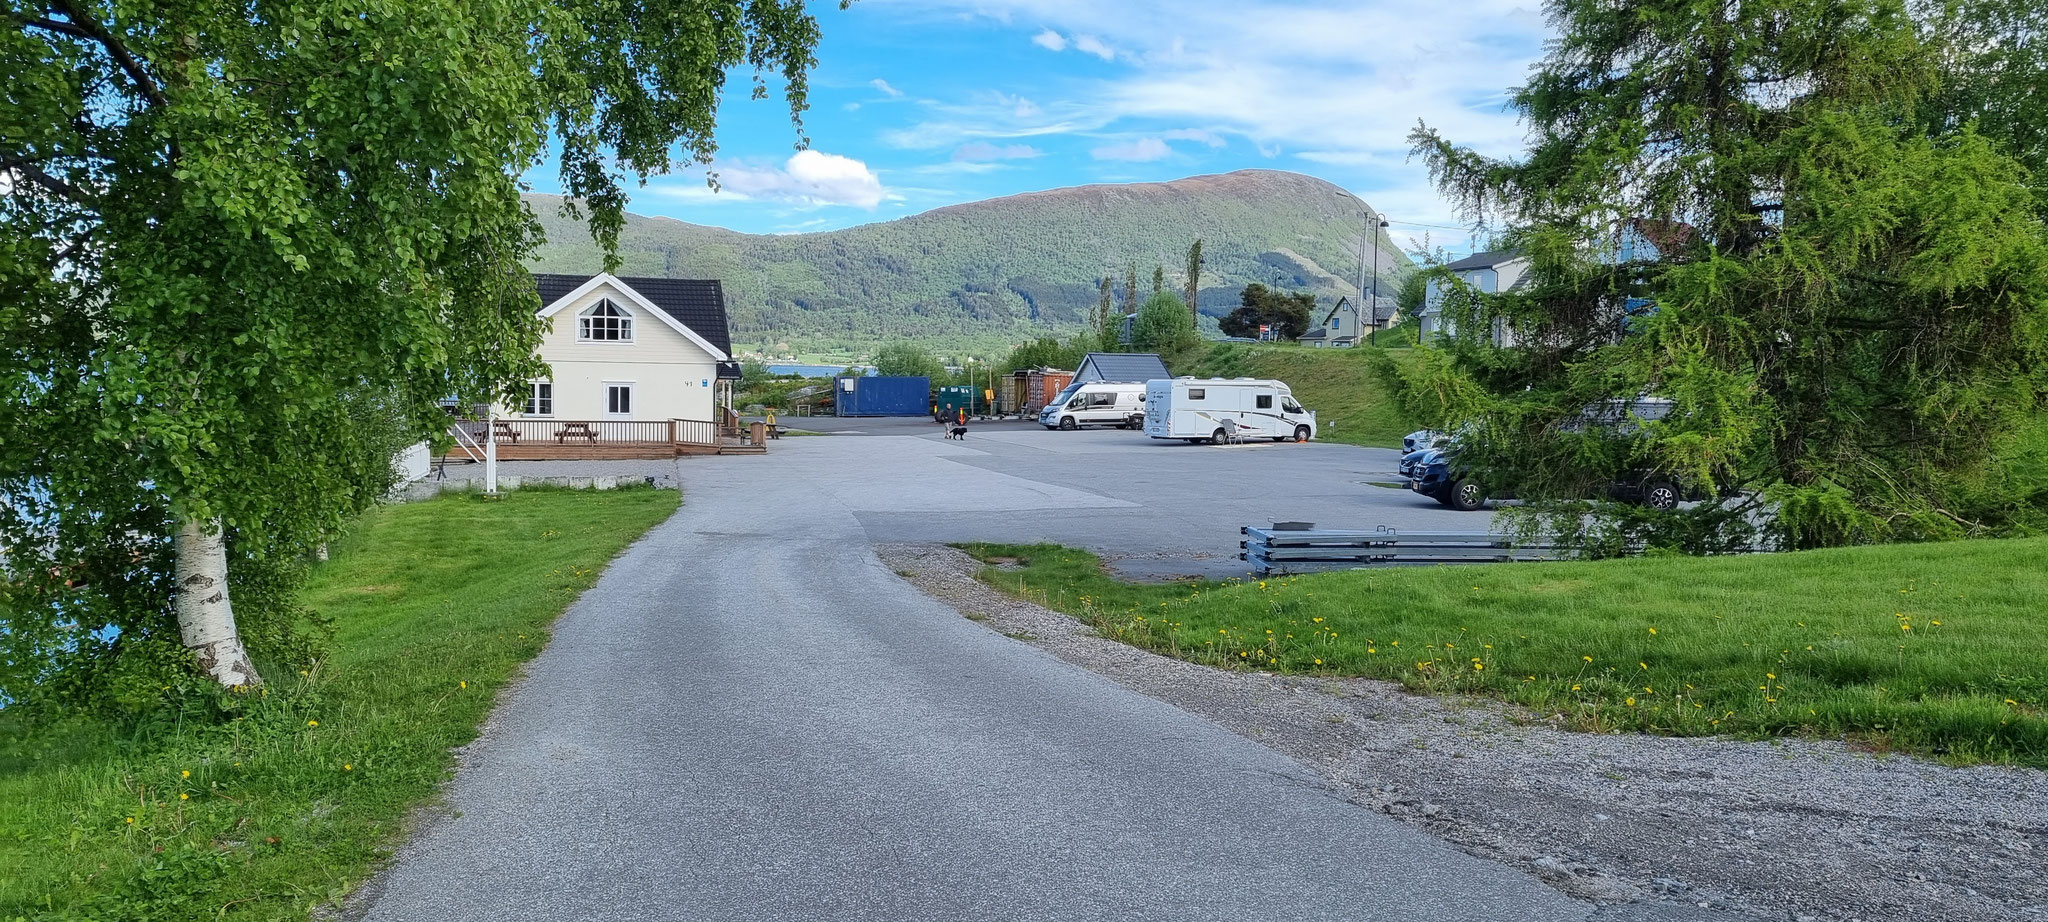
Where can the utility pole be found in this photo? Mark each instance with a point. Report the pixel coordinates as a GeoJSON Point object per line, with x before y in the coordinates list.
{"type": "Point", "coordinates": [1373, 312]}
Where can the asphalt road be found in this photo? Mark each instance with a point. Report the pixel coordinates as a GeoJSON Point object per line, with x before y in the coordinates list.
{"type": "Point", "coordinates": [749, 718]}
{"type": "Point", "coordinates": [1152, 508]}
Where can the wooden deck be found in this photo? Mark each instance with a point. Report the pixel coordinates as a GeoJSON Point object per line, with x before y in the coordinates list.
{"type": "Point", "coordinates": [589, 440]}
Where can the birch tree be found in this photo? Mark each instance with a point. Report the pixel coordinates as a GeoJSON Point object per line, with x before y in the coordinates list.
{"type": "Point", "coordinates": [222, 224]}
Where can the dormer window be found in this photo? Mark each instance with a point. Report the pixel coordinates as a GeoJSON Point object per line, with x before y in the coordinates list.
{"type": "Point", "coordinates": [604, 322]}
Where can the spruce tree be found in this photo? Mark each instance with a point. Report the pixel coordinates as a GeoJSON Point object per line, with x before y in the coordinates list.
{"type": "Point", "coordinates": [1844, 301]}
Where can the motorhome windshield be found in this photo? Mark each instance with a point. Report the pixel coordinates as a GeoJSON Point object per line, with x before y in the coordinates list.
{"type": "Point", "coordinates": [1290, 406]}
{"type": "Point", "coordinates": [1066, 395]}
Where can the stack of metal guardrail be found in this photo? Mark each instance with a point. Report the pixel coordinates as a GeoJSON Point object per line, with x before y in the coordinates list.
{"type": "Point", "coordinates": [1289, 547]}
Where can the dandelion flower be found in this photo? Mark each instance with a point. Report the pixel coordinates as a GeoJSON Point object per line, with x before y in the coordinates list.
{"type": "Point", "coordinates": [184, 797]}
{"type": "Point", "coordinates": [312, 723]}
{"type": "Point", "coordinates": [1586, 658]}
{"type": "Point", "coordinates": [131, 819]}
{"type": "Point", "coordinates": [1631, 702]}
{"type": "Point", "coordinates": [1319, 662]}
{"type": "Point", "coordinates": [185, 774]}
{"type": "Point", "coordinates": [347, 767]}
{"type": "Point", "coordinates": [1478, 667]}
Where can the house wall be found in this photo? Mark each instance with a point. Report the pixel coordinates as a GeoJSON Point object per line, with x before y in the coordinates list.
{"type": "Point", "coordinates": [672, 377]}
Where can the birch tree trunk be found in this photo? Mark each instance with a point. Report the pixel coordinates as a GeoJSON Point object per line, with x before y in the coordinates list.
{"type": "Point", "coordinates": [206, 618]}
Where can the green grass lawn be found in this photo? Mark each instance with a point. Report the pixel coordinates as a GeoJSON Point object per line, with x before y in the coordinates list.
{"type": "Point", "coordinates": [1352, 405]}
{"type": "Point", "coordinates": [436, 605]}
{"type": "Point", "coordinates": [1934, 649]}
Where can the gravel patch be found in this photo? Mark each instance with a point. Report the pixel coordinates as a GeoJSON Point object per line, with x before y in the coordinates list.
{"type": "Point", "coordinates": [1651, 826]}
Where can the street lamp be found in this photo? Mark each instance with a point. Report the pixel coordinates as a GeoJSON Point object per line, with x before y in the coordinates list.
{"type": "Point", "coordinates": [1371, 318]}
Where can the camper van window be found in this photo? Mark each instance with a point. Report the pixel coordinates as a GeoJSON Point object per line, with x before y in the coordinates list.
{"type": "Point", "coordinates": [1066, 395]}
{"type": "Point", "coordinates": [1195, 393]}
{"type": "Point", "coordinates": [1292, 407]}
{"type": "Point", "coordinates": [1265, 401]}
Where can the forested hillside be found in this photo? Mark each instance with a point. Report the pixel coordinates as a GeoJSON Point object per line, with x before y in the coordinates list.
{"type": "Point", "coordinates": [982, 276]}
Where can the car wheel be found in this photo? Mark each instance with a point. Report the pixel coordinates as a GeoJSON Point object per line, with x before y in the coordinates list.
{"type": "Point", "coordinates": [1301, 433]}
{"type": "Point", "coordinates": [1067, 423]}
{"type": "Point", "coordinates": [1218, 438]}
{"type": "Point", "coordinates": [1661, 496]}
{"type": "Point", "coordinates": [1467, 496]}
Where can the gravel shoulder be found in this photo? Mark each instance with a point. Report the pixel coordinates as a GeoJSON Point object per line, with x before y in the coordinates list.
{"type": "Point", "coordinates": [1650, 826]}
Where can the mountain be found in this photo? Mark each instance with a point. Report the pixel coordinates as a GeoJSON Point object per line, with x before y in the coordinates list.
{"type": "Point", "coordinates": [981, 276]}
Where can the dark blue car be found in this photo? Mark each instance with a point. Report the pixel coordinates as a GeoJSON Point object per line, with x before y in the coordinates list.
{"type": "Point", "coordinates": [1436, 475]}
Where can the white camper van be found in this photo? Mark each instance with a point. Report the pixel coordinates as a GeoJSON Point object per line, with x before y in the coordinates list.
{"type": "Point", "coordinates": [1096, 403]}
{"type": "Point", "coordinates": [1222, 409]}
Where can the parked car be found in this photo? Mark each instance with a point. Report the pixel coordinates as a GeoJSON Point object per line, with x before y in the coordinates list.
{"type": "Point", "coordinates": [1438, 477]}
{"type": "Point", "coordinates": [1412, 461]}
{"type": "Point", "coordinates": [1421, 439]}
{"type": "Point", "coordinates": [1097, 403]}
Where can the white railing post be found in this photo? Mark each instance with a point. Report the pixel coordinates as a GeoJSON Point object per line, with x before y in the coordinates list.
{"type": "Point", "coordinates": [491, 452]}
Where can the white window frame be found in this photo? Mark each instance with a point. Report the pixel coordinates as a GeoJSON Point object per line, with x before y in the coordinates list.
{"type": "Point", "coordinates": [623, 322]}
{"type": "Point", "coordinates": [632, 399]}
{"type": "Point", "coordinates": [534, 405]}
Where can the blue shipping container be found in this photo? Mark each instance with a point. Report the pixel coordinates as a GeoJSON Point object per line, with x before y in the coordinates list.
{"type": "Point", "coordinates": [878, 396]}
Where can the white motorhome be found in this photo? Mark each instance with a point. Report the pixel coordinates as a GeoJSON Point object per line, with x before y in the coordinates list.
{"type": "Point", "coordinates": [1096, 403]}
{"type": "Point", "coordinates": [1224, 409]}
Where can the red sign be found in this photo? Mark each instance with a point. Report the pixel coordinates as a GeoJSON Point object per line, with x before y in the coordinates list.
{"type": "Point", "coordinates": [1265, 328]}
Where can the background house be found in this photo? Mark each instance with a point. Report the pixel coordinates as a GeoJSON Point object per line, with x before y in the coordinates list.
{"type": "Point", "coordinates": [1120, 367]}
{"type": "Point", "coordinates": [1487, 273]}
{"type": "Point", "coordinates": [1346, 325]}
{"type": "Point", "coordinates": [632, 349]}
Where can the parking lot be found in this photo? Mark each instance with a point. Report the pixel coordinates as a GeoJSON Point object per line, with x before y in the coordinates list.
{"type": "Point", "coordinates": [1153, 508]}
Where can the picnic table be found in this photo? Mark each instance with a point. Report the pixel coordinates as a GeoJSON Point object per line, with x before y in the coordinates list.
{"type": "Point", "coordinates": [503, 432]}
{"type": "Point", "coordinates": [575, 431]}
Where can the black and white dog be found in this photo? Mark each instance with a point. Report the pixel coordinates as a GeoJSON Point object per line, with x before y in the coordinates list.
{"type": "Point", "coordinates": [957, 432]}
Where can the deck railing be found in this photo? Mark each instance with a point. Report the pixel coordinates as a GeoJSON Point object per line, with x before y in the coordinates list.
{"type": "Point", "coordinates": [525, 435]}
{"type": "Point", "coordinates": [694, 431]}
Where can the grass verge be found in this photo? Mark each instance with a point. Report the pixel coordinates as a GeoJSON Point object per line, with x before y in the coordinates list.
{"type": "Point", "coordinates": [1934, 649]}
{"type": "Point", "coordinates": [1352, 405]}
{"type": "Point", "coordinates": [435, 606]}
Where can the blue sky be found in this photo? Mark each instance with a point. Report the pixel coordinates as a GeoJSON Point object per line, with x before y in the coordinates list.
{"type": "Point", "coordinates": [921, 103]}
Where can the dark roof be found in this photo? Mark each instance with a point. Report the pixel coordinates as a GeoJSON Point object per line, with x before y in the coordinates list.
{"type": "Point", "coordinates": [1383, 309]}
{"type": "Point", "coordinates": [1485, 260]}
{"type": "Point", "coordinates": [1317, 333]}
{"type": "Point", "coordinates": [1123, 366]}
{"type": "Point", "coordinates": [695, 303]}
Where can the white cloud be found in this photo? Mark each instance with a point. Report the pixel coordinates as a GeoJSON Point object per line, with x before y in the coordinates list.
{"type": "Point", "coordinates": [1142, 150]}
{"type": "Point", "coordinates": [1050, 40]}
{"type": "Point", "coordinates": [1094, 46]}
{"type": "Point", "coordinates": [1343, 83]}
{"type": "Point", "coordinates": [887, 90]}
{"type": "Point", "coordinates": [1195, 134]}
{"type": "Point", "coordinates": [981, 151]}
{"type": "Point", "coordinates": [809, 177]}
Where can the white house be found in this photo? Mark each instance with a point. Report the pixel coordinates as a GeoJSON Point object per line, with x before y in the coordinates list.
{"type": "Point", "coordinates": [1343, 326]}
{"type": "Point", "coordinates": [631, 349]}
{"type": "Point", "coordinates": [1487, 273]}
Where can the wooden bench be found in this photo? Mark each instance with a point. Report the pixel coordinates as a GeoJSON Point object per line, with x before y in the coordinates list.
{"type": "Point", "coordinates": [575, 431]}
{"type": "Point", "coordinates": [774, 431]}
{"type": "Point", "coordinates": [503, 432]}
